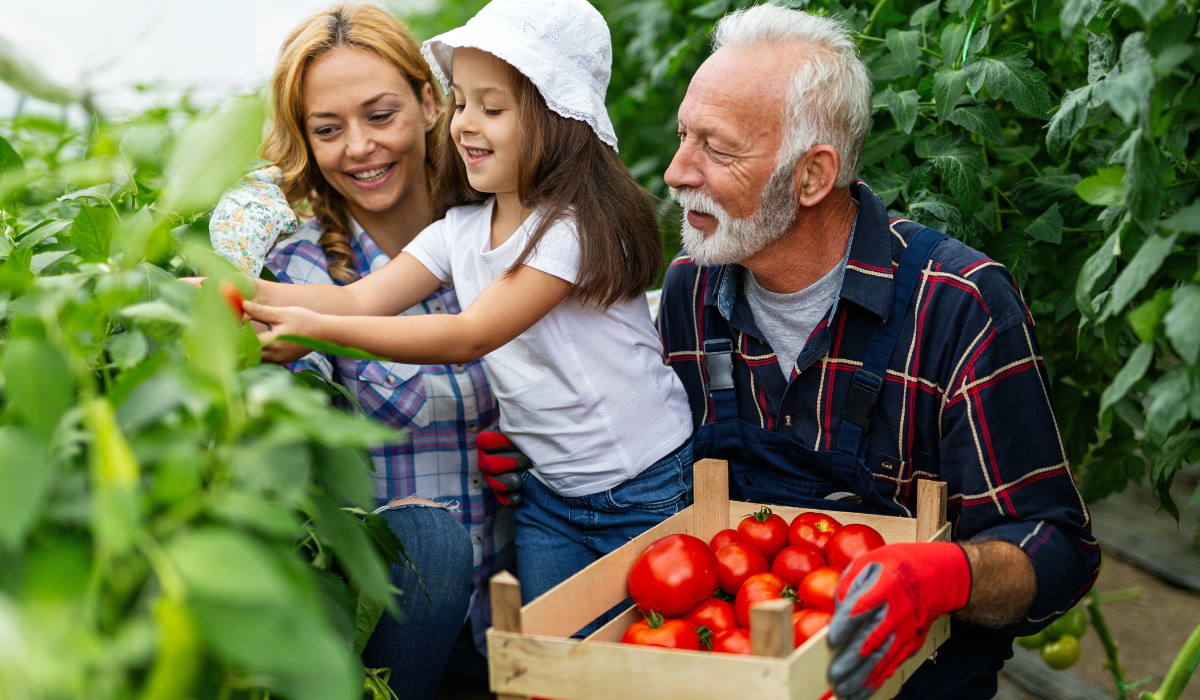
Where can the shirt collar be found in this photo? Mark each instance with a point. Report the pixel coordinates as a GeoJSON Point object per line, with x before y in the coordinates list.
{"type": "Point", "coordinates": [372, 255]}
{"type": "Point", "coordinates": [867, 280]}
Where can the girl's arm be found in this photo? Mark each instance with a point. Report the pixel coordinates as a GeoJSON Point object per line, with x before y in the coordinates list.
{"type": "Point", "coordinates": [394, 288]}
{"type": "Point", "coordinates": [505, 309]}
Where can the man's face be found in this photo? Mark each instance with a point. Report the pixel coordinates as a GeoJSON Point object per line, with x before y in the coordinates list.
{"type": "Point", "coordinates": [731, 130]}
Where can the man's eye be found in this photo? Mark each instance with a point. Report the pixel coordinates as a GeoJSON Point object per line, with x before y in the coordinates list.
{"type": "Point", "coordinates": [682, 136]}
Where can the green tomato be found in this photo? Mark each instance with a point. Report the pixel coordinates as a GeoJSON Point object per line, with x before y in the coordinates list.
{"type": "Point", "coordinates": [1073, 622]}
{"type": "Point", "coordinates": [1061, 654]}
{"type": "Point", "coordinates": [1034, 641]}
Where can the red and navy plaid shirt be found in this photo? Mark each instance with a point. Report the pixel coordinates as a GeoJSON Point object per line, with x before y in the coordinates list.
{"type": "Point", "coordinates": [966, 399]}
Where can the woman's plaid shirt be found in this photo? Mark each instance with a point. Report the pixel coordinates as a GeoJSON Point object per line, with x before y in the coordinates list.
{"type": "Point", "coordinates": [441, 408]}
{"type": "Point", "coordinates": [966, 399]}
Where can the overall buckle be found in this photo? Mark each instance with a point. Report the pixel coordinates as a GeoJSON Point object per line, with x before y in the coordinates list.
{"type": "Point", "coordinates": [860, 404]}
{"type": "Point", "coordinates": [718, 360]}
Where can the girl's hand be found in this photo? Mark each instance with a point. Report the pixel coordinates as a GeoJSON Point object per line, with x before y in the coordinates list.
{"type": "Point", "coordinates": [283, 320]}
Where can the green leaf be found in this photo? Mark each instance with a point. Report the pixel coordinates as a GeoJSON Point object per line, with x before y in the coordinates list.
{"type": "Point", "coordinates": [903, 107]}
{"type": "Point", "coordinates": [1076, 12]}
{"type": "Point", "coordinates": [1186, 220]}
{"type": "Point", "coordinates": [1047, 227]}
{"type": "Point", "coordinates": [1132, 372]}
{"type": "Point", "coordinates": [91, 233]}
{"type": "Point", "coordinates": [960, 165]}
{"type": "Point", "coordinates": [330, 348]}
{"type": "Point", "coordinates": [1104, 189]}
{"type": "Point", "coordinates": [350, 542]}
{"type": "Point", "coordinates": [711, 10]}
{"type": "Point", "coordinates": [1183, 323]}
{"type": "Point", "coordinates": [1142, 181]}
{"type": "Point", "coordinates": [1102, 56]}
{"type": "Point", "coordinates": [904, 46]}
{"type": "Point", "coordinates": [9, 158]}
{"type": "Point", "coordinates": [1007, 73]}
{"type": "Point", "coordinates": [1146, 8]}
{"type": "Point", "coordinates": [948, 86]}
{"type": "Point", "coordinates": [925, 15]}
{"type": "Point", "coordinates": [15, 275]}
{"type": "Point", "coordinates": [1069, 119]}
{"type": "Point", "coordinates": [223, 565]}
{"type": "Point", "coordinates": [367, 612]}
{"type": "Point", "coordinates": [1145, 318]}
{"type": "Point", "coordinates": [343, 472]}
{"type": "Point", "coordinates": [39, 233]}
{"type": "Point", "coordinates": [980, 119]}
{"type": "Point", "coordinates": [1138, 272]}
{"type": "Point", "coordinates": [211, 154]}
{"type": "Point", "coordinates": [885, 184]}
{"type": "Point", "coordinates": [1169, 404]}
{"type": "Point", "coordinates": [39, 383]}
{"type": "Point", "coordinates": [24, 476]}
{"type": "Point", "coordinates": [1096, 267]}
{"type": "Point", "coordinates": [953, 36]}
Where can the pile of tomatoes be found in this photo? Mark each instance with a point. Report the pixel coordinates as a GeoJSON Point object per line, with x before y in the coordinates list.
{"type": "Point", "coordinates": [698, 596]}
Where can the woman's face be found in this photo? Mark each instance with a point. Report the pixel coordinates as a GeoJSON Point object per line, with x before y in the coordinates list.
{"type": "Point", "coordinates": [366, 128]}
{"type": "Point", "coordinates": [484, 126]}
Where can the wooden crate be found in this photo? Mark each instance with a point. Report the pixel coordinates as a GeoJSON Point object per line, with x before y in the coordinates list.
{"type": "Point", "coordinates": [530, 653]}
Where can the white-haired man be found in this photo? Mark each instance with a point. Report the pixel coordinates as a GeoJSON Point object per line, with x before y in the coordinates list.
{"type": "Point", "coordinates": [834, 356]}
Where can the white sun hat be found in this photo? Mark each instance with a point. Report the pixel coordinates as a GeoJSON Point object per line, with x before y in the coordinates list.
{"type": "Point", "coordinates": [562, 46]}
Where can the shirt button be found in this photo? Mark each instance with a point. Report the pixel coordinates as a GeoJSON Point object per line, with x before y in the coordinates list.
{"type": "Point", "coordinates": [473, 427]}
{"type": "Point", "coordinates": [478, 539]}
{"type": "Point", "coordinates": [460, 368]}
{"type": "Point", "coordinates": [787, 421]}
{"type": "Point", "coordinates": [391, 380]}
{"type": "Point", "coordinates": [475, 483]}
{"type": "Point", "coordinates": [438, 310]}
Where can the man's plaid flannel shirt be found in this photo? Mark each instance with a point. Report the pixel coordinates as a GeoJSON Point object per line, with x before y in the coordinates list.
{"type": "Point", "coordinates": [966, 399]}
{"type": "Point", "coordinates": [441, 408]}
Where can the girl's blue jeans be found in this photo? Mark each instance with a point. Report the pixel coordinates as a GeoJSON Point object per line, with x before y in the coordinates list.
{"type": "Point", "coordinates": [417, 649]}
{"type": "Point", "coordinates": [557, 536]}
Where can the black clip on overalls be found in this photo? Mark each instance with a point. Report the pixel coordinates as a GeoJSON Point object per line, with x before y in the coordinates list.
{"type": "Point", "coordinates": [766, 467]}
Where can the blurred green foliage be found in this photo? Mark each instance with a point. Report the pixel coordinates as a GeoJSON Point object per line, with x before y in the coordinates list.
{"type": "Point", "coordinates": [1059, 137]}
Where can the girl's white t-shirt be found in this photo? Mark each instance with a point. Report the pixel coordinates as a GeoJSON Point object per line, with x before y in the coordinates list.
{"type": "Point", "coordinates": [584, 392]}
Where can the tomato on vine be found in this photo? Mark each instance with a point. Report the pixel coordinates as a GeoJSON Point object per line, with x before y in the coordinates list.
{"type": "Point", "coordinates": [765, 531]}
{"type": "Point", "coordinates": [1061, 653]}
{"type": "Point", "coordinates": [1072, 622]}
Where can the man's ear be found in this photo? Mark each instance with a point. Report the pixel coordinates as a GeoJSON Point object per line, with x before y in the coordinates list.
{"type": "Point", "coordinates": [816, 174]}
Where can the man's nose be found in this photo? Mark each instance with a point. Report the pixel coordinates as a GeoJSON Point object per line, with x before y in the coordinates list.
{"type": "Point", "coordinates": [683, 170]}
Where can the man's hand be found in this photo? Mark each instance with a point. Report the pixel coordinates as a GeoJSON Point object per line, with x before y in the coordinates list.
{"type": "Point", "coordinates": [885, 604]}
{"type": "Point", "coordinates": [283, 320]}
{"type": "Point", "coordinates": [502, 464]}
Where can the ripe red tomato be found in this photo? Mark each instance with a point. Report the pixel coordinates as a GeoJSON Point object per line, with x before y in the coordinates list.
{"type": "Point", "coordinates": [849, 542]}
{"type": "Point", "coordinates": [765, 530]}
{"type": "Point", "coordinates": [716, 615]}
{"type": "Point", "coordinates": [757, 589]}
{"type": "Point", "coordinates": [737, 562]}
{"type": "Point", "coordinates": [813, 530]}
{"type": "Point", "coordinates": [794, 563]}
{"type": "Point", "coordinates": [817, 589]}
{"type": "Point", "coordinates": [721, 539]}
{"type": "Point", "coordinates": [806, 623]}
{"type": "Point", "coordinates": [654, 631]}
{"type": "Point", "coordinates": [672, 575]}
{"type": "Point", "coordinates": [735, 641]}
{"type": "Point", "coordinates": [233, 296]}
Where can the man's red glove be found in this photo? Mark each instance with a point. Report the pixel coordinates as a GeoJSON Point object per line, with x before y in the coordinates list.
{"type": "Point", "coordinates": [502, 465]}
{"type": "Point", "coordinates": [885, 603]}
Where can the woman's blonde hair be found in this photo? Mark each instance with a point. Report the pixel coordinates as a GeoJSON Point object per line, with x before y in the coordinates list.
{"type": "Point", "coordinates": [359, 26]}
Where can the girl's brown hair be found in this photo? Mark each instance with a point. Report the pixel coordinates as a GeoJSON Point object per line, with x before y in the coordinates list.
{"type": "Point", "coordinates": [359, 26]}
{"type": "Point", "coordinates": [566, 171]}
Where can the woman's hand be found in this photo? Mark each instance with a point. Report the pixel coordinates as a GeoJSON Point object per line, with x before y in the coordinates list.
{"type": "Point", "coordinates": [283, 320]}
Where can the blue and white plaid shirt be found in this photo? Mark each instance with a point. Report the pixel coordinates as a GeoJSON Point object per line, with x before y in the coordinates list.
{"type": "Point", "coordinates": [441, 408]}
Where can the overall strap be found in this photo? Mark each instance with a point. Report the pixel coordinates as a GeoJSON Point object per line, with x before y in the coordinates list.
{"type": "Point", "coordinates": [868, 380]}
{"type": "Point", "coordinates": [718, 365]}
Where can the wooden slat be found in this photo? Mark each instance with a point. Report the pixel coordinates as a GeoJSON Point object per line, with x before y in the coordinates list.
{"type": "Point", "coordinates": [942, 535]}
{"type": "Point", "coordinates": [771, 631]}
{"type": "Point", "coordinates": [711, 509]}
{"type": "Point", "coordinates": [615, 628]}
{"type": "Point", "coordinates": [893, 529]}
{"type": "Point", "coordinates": [568, 607]}
{"type": "Point", "coordinates": [931, 508]}
{"type": "Point", "coordinates": [810, 662]}
{"type": "Point", "coordinates": [557, 668]}
{"type": "Point", "coordinates": [506, 613]}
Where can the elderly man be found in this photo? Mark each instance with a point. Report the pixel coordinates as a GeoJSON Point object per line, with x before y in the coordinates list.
{"type": "Point", "coordinates": [834, 356]}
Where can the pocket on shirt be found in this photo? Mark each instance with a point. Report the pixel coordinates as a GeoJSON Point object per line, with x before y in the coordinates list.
{"type": "Point", "coordinates": [394, 393]}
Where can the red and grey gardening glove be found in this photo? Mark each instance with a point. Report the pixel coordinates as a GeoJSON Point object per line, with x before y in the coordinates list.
{"type": "Point", "coordinates": [502, 465]}
{"type": "Point", "coordinates": [885, 604]}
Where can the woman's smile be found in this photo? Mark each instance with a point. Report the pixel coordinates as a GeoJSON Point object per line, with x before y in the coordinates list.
{"type": "Point", "coordinates": [371, 177]}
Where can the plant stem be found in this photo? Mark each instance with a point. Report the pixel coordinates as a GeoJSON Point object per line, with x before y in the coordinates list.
{"type": "Point", "coordinates": [1181, 671]}
{"type": "Point", "coordinates": [1110, 644]}
{"type": "Point", "coordinates": [871, 19]}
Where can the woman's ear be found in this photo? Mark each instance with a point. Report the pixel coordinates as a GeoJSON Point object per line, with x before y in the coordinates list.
{"type": "Point", "coordinates": [429, 106]}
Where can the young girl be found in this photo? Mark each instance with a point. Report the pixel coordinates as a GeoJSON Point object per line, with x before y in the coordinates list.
{"type": "Point", "coordinates": [550, 245]}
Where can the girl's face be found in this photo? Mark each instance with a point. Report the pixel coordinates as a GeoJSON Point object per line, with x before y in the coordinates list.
{"type": "Point", "coordinates": [484, 126]}
{"type": "Point", "coordinates": [366, 128]}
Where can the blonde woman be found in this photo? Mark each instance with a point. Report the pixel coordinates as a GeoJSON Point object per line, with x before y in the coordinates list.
{"type": "Point", "coordinates": [351, 135]}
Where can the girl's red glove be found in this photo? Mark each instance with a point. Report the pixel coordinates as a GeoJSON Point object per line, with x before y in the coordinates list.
{"type": "Point", "coordinates": [502, 464]}
{"type": "Point", "coordinates": [885, 604]}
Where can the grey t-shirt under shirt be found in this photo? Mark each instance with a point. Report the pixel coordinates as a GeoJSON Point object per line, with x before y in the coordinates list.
{"type": "Point", "coordinates": [788, 319]}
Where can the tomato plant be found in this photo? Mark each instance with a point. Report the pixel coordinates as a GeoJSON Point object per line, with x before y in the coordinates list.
{"type": "Point", "coordinates": [672, 575]}
{"type": "Point", "coordinates": [737, 562]}
{"type": "Point", "coordinates": [849, 542]}
{"type": "Point", "coordinates": [765, 531]}
{"type": "Point", "coordinates": [654, 631]}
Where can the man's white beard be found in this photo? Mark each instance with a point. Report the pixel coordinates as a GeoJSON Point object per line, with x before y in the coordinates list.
{"type": "Point", "coordinates": [738, 239]}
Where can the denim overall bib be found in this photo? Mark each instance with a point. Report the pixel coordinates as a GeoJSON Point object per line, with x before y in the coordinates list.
{"type": "Point", "coordinates": [766, 467]}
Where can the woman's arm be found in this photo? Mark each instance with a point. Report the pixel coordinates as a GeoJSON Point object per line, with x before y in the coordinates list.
{"type": "Point", "coordinates": [394, 288]}
{"type": "Point", "coordinates": [505, 309]}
